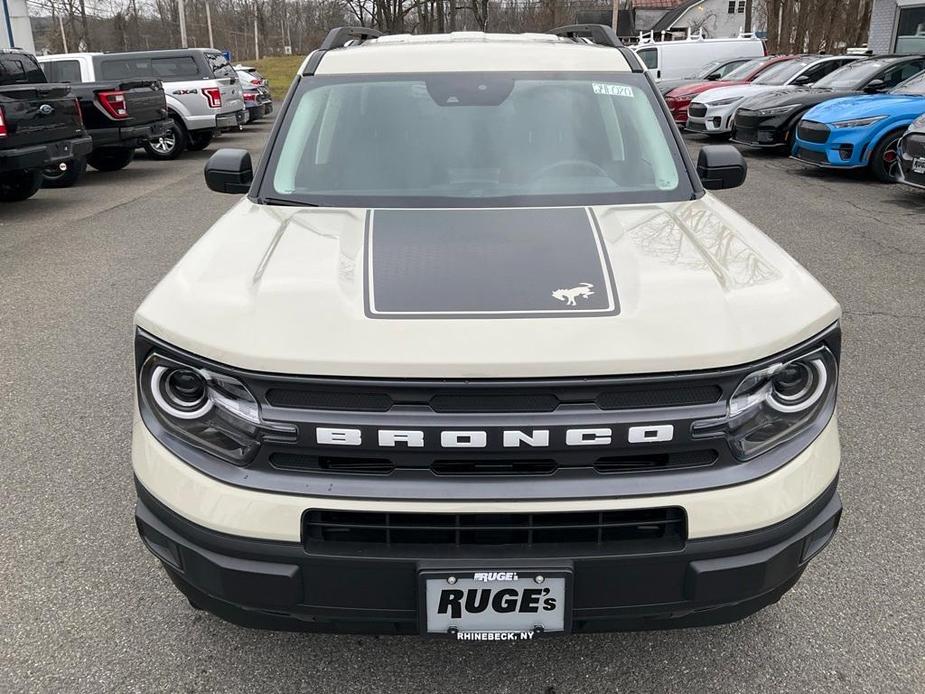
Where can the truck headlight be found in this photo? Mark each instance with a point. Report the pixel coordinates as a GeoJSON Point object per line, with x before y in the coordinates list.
{"type": "Point", "coordinates": [775, 404]}
{"type": "Point", "coordinates": [858, 122]}
{"type": "Point", "coordinates": [211, 411]}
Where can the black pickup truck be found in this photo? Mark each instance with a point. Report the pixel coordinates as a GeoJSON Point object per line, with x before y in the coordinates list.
{"type": "Point", "coordinates": [120, 115]}
{"type": "Point", "coordinates": [40, 126]}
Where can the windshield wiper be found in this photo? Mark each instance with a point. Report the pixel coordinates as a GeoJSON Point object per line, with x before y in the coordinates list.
{"type": "Point", "coordinates": [284, 202]}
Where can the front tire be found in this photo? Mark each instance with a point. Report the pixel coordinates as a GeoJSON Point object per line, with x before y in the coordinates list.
{"type": "Point", "coordinates": [111, 158]}
{"type": "Point", "coordinates": [170, 145]}
{"type": "Point", "coordinates": [55, 176]}
{"type": "Point", "coordinates": [199, 140]}
{"type": "Point", "coordinates": [20, 185]}
{"type": "Point", "coordinates": [884, 161]}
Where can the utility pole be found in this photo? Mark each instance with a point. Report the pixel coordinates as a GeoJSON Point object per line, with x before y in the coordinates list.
{"type": "Point", "coordinates": [63, 35]}
{"type": "Point", "coordinates": [256, 36]}
{"type": "Point", "coordinates": [182, 10]}
{"type": "Point", "coordinates": [209, 22]}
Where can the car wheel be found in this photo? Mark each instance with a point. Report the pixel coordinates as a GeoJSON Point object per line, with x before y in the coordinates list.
{"type": "Point", "coordinates": [168, 146]}
{"type": "Point", "coordinates": [111, 158]}
{"type": "Point", "coordinates": [20, 185]}
{"type": "Point", "coordinates": [199, 141]}
{"type": "Point", "coordinates": [884, 161]}
{"type": "Point", "coordinates": [64, 174]}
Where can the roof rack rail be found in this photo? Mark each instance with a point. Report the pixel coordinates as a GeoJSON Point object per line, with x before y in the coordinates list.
{"type": "Point", "coordinates": [338, 37]}
{"type": "Point", "coordinates": [601, 34]}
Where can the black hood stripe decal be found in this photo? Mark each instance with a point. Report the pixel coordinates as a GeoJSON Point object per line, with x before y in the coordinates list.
{"type": "Point", "coordinates": [487, 263]}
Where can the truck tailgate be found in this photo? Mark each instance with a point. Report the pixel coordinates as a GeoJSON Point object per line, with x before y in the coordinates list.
{"type": "Point", "coordinates": [39, 113]}
{"type": "Point", "coordinates": [145, 101]}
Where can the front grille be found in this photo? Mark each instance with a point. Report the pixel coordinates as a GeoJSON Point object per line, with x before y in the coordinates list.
{"type": "Point", "coordinates": [697, 110]}
{"type": "Point", "coordinates": [914, 145]}
{"type": "Point", "coordinates": [744, 134]}
{"type": "Point", "coordinates": [812, 156]}
{"type": "Point", "coordinates": [462, 399]}
{"type": "Point", "coordinates": [659, 529]}
{"type": "Point", "coordinates": [747, 119]}
{"type": "Point", "coordinates": [810, 131]}
{"type": "Point", "coordinates": [627, 462]}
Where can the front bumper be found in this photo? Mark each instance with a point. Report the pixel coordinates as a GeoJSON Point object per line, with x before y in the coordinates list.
{"type": "Point", "coordinates": [241, 554]}
{"type": "Point", "coordinates": [129, 136]}
{"type": "Point", "coordinates": [715, 121]}
{"type": "Point", "coordinates": [280, 585]}
{"type": "Point", "coordinates": [42, 155]}
{"type": "Point", "coordinates": [760, 131]}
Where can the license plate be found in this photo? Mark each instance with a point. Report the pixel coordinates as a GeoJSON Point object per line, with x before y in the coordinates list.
{"type": "Point", "coordinates": [918, 165]}
{"type": "Point", "coordinates": [495, 605]}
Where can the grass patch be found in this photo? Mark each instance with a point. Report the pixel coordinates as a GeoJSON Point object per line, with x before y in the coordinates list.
{"type": "Point", "coordinates": [280, 70]}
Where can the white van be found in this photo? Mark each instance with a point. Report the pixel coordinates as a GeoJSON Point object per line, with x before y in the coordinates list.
{"type": "Point", "coordinates": [667, 60]}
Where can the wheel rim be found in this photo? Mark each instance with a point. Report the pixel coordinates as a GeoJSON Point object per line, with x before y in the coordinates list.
{"type": "Point", "coordinates": [891, 158]}
{"type": "Point", "coordinates": [165, 143]}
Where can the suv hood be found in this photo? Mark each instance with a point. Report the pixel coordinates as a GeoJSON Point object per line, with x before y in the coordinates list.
{"type": "Point", "coordinates": [700, 87]}
{"type": "Point", "coordinates": [867, 106]}
{"type": "Point", "coordinates": [486, 293]}
{"type": "Point", "coordinates": [739, 90]}
{"type": "Point", "coordinates": [801, 96]}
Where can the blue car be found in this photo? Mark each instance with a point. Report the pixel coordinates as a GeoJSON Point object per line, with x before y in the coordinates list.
{"type": "Point", "coordinates": [861, 131]}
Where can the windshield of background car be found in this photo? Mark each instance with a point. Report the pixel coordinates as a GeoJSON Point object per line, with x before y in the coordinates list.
{"type": "Point", "coordinates": [782, 72]}
{"type": "Point", "coordinates": [468, 139]}
{"type": "Point", "coordinates": [744, 70]}
{"type": "Point", "coordinates": [852, 75]}
{"type": "Point", "coordinates": [706, 70]}
{"type": "Point", "coordinates": [914, 85]}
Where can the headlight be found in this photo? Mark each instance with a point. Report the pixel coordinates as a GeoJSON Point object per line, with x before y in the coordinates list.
{"type": "Point", "coordinates": [685, 99]}
{"type": "Point", "coordinates": [776, 111]}
{"type": "Point", "coordinates": [919, 122]}
{"type": "Point", "coordinates": [211, 411]}
{"type": "Point", "coordinates": [725, 102]}
{"type": "Point", "coordinates": [774, 404]}
{"type": "Point", "coordinates": [858, 123]}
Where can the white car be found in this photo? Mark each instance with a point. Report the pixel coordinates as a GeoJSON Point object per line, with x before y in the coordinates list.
{"type": "Point", "coordinates": [479, 355]}
{"type": "Point", "coordinates": [713, 111]}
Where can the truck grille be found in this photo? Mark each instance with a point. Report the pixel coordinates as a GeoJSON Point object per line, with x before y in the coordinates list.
{"type": "Point", "coordinates": [448, 399]}
{"type": "Point", "coordinates": [482, 466]}
{"type": "Point", "coordinates": [810, 131]}
{"type": "Point", "coordinates": [661, 529]}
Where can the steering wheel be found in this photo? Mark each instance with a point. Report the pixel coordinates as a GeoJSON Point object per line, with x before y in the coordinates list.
{"type": "Point", "coordinates": [589, 167]}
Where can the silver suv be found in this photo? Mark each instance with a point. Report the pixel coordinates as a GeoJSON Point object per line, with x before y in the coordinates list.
{"type": "Point", "coordinates": [202, 90]}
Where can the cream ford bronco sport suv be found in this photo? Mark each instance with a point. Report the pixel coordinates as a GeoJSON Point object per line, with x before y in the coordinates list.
{"type": "Point", "coordinates": [478, 355]}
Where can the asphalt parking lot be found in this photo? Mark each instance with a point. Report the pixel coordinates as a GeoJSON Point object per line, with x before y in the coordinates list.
{"type": "Point", "coordinates": [84, 608]}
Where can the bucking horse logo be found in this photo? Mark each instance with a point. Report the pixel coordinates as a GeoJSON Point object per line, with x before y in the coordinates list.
{"type": "Point", "coordinates": [583, 290]}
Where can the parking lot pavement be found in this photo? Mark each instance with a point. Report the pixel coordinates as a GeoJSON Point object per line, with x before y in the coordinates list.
{"type": "Point", "coordinates": [84, 608]}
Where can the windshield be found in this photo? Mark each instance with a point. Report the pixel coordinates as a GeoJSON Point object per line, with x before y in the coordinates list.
{"type": "Point", "coordinates": [913, 85]}
{"type": "Point", "coordinates": [743, 71]}
{"type": "Point", "coordinates": [464, 139]}
{"type": "Point", "coordinates": [706, 70]}
{"type": "Point", "coordinates": [852, 75]}
{"type": "Point", "coordinates": [782, 72]}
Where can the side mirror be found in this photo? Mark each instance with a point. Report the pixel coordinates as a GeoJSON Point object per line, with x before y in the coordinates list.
{"type": "Point", "coordinates": [229, 171]}
{"type": "Point", "coordinates": [802, 81]}
{"type": "Point", "coordinates": [721, 167]}
{"type": "Point", "coordinates": [713, 76]}
{"type": "Point", "coordinates": [875, 86]}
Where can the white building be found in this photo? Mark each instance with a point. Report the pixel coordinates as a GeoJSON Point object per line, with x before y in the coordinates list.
{"type": "Point", "coordinates": [897, 26]}
{"type": "Point", "coordinates": [15, 27]}
{"type": "Point", "coordinates": [715, 18]}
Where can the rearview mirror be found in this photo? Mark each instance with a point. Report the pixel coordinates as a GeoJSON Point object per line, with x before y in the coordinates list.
{"type": "Point", "coordinates": [721, 167]}
{"type": "Point", "coordinates": [874, 86]}
{"type": "Point", "coordinates": [229, 171]}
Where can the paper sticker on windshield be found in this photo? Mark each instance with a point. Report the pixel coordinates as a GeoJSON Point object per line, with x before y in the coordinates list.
{"type": "Point", "coordinates": [612, 89]}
